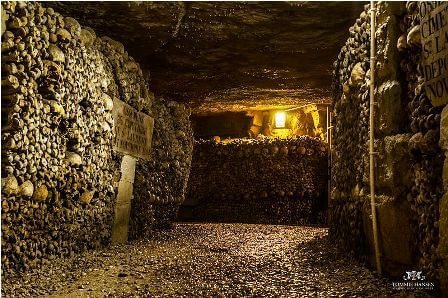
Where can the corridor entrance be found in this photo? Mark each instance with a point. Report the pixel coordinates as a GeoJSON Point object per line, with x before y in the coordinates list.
{"type": "Point", "coordinates": [182, 148]}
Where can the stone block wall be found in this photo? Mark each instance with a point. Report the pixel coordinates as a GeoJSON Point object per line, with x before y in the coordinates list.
{"type": "Point", "coordinates": [266, 180]}
{"type": "Point", "coordinates": [59, 173]}
{"type": "Point", "coordinates": [407, 129]}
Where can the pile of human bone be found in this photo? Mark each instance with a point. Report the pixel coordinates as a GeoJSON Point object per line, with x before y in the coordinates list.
{"type": "Point", "coordinates": [264, 180]}
{"type": "Point", "coordinates": [59, 171]}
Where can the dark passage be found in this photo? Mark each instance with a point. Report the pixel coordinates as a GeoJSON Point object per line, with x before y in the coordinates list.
{"type": "Point", "coordinates": [224, 149]}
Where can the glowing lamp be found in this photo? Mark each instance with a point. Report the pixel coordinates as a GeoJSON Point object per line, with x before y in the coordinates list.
{"type": "Point", "coordinates": [280, 119]}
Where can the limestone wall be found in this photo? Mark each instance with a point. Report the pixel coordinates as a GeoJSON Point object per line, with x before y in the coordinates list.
{"type": "Point", "coordinates": [59, 173]}
{"type": "Point", "coordinates": [409, 161]}
{"type": "Point", "coordinates": [263, 180]}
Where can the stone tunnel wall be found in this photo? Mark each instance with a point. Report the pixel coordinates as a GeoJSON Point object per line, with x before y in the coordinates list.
{"type": "Point", "coordinates": [409, 164]}
{"type": "Point", "coordinates": [267, 180]}
{"type": "Point", "coordinates": [59, 172]}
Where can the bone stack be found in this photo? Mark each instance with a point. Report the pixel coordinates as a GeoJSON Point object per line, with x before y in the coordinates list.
{"type": "Point", "coordinates": [163, 191]}
{"type": "Point", "coordinates": [351, 106]}
{"type": "Point", "coordinates": [56, 157]}
{"type": "Point", "coordinates": [424, 121]}
{"type": "Point", "coordinates": [264, 180]}
{"type": "Point", "coordinates": [59, 172]}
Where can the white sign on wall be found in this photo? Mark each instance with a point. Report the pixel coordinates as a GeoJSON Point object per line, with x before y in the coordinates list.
{"type": "Point", "coordinates": [133, 131]}
{"type": "Point", "coordinates": [434, 33]}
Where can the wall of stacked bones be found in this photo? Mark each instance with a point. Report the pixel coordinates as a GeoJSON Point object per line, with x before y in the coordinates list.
{"type": "Point", "coordinates": [409, 163]}
{"type": "Point", "coordinates": [263, 180]}
{"type": "Point", "coordinates": [59, 173]}
{"type": "Point", "coordinates": [161, 188]}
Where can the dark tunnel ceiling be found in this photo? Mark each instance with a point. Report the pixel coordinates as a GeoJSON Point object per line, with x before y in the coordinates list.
{"type": "Point", "coordinates": [228, 55]}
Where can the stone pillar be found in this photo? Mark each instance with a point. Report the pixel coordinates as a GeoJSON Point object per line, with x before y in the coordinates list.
{"type": "Point", "coordinates": [391, 143]}
{"type": "Point", "coordinates": [443, 205]}
{"type": "Point", "coordinates": [123, 205]}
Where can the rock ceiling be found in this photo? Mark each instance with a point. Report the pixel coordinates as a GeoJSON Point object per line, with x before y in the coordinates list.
{"type": "Point", "coordinates": [228, 55]}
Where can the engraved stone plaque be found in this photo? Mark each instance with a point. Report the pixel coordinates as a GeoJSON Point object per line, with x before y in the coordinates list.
{"type": "Point", "coordinates": [434, 33]}
{"type": "Point", "coordinates": [133, 131]}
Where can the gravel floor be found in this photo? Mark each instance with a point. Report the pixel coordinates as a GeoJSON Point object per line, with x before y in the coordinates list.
{"type": "Point", "coordinates": [210, 260]}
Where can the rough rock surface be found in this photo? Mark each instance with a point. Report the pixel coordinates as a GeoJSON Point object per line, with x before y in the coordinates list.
{"type": "Point", "coordinates": [406, 139]}
{"type": "Point", "coordinates": [243, 53]}
{"type": "Point", "coordinates": [211, 260]}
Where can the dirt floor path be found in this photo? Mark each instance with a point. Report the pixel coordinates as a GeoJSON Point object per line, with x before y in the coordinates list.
{"type": "Point", "coordinates": [209, 260]}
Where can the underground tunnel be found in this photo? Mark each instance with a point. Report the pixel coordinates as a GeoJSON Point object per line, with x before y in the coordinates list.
{"type": "Point", "coordinates": [224, 149]}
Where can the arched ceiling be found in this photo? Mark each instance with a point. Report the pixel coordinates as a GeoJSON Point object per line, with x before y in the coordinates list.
{"type": "Point", "coordinates": [228, 55]}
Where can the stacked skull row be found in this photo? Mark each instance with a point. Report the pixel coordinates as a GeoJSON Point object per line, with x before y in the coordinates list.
{"type": "Point", "coordinates": [57, 138]}
{"type": "Point", "coordinates": [350, 133]}
{"type": "Point", "coordinates": [264, 147]}
{"type": "Point", "coordinates": [59, 172]}
{"type": "Point", "coordinates": [351, 106]}
{"type": "Point", "coordinates": [264, 169]}
{"type": "Point", "coordinates": [157, 196]}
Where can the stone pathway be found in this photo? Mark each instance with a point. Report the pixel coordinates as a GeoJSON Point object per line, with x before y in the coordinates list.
{"type": "Point", "coordinates": [210, 260]}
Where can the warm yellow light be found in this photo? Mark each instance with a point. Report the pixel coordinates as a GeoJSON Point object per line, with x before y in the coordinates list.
{"type": "Point", "coordinates": [280, 119]}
